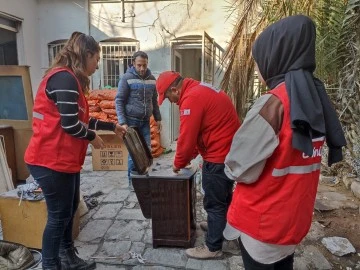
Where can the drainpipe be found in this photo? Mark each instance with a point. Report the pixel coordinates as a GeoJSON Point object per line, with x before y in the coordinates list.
{"type": "Point", "coordinates": [123, 10]}
{"type": "Point", "coordinates": [89, 17]}
{"type": "Point", "coordinates": [89, 33]}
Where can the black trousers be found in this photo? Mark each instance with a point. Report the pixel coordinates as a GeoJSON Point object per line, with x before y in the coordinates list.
{"type": "Point", "coordinates": [251, 264]}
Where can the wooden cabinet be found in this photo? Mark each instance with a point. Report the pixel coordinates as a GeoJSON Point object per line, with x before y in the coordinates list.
{"type": "Point", "coordinates": [170, 202]}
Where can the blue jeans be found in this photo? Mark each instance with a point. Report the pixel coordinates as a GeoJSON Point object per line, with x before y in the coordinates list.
{"type": "Point", "coordinates": [61, 191]}
{"type": "Point", "coordinates": [144, 128]}
{"type": "Point", "coordinates": [218, 194]}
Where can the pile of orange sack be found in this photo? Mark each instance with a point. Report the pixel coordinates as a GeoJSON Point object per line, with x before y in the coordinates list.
{"type": "Point", "coordinates": [156, 148]}
{"type": "Point", "coordinates": [102, 105]}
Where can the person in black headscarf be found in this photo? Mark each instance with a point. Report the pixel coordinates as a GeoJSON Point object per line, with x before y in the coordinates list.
{"type": "Point", "coordinates": [275, 156]}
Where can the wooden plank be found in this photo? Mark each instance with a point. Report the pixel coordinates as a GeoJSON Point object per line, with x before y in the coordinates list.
{"type": "Point", "coordinates": [17, 78]}
{"type": "Point", "coordinates": [6, 183]}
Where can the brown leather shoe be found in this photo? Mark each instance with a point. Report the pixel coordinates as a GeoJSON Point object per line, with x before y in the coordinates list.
{"type": "Point", "coordinates": [203, 226]}
{"type": "Point", "coordinates": [203, 253]}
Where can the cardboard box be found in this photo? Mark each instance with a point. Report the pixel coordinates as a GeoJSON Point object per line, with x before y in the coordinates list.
{"type": "Point", "coordinates": [25, 223]}
{"type": "Point", "coordinates": [114, 157]}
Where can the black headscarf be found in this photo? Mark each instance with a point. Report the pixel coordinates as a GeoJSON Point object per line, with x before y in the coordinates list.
{"type": "Point", "coordinates": [285, 51]}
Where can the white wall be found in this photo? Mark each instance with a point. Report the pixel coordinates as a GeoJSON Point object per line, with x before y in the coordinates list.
{"type": "Point", "coordinates": [29, 35]}
{"type": "Point", "coordinates": [154, 24]}
{"type": "Point", "coordinates": [58, 20]}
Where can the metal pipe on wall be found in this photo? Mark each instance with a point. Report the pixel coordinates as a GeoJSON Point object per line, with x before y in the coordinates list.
{"type": "Point", "coordinates": [123, 10]}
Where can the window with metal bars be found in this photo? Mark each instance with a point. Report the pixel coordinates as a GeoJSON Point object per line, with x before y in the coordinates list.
{"type": "Point", "coordinates": [116, 58]}
{"type": "Point", "coordinates": [54, 48]}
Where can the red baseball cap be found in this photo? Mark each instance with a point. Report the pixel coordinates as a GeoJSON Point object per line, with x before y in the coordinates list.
{"type": "Point", "coordinates": [163, 82]}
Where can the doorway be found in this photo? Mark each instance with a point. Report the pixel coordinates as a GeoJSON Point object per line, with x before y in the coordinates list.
{"type": "Point", "coordinates": [197, 57]}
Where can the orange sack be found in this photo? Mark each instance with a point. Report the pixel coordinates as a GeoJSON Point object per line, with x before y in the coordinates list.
{"type": "Point", "coordinates": [106, 94]}
{"type": "Point", "coordinates": [109, 111]}
{"type": "Point", "coordinates": [156, 148]}
{"type": "Point", "coordinates": [113, 117]}
{"type": "Point", "coordinates": [107, 104]}
{"type": "Point", "coordinates": [93, 102]}
{"type": "Point", "coordinates": [102, 104]}
{"type": "Point", "coordinates": [154, 144]}
{"type": "Point", "coordinates": [94, 109]}
{"type": "Point", "coordinates": [99, 115]}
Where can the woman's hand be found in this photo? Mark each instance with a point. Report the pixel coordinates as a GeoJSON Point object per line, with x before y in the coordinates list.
{"type": "Point", "coordinates": [97, 143]}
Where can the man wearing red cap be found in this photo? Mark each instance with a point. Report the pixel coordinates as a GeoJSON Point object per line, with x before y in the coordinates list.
{"type": "Point", "coordinates": [208, 122]}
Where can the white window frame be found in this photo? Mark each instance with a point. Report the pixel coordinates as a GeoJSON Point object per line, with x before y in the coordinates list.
{"type": "Point", "coordinates": [54, 47]}
{"type": "Point", "coordinates": [119, 52]}
{"type": "Point", "coordinates": [12, 23]}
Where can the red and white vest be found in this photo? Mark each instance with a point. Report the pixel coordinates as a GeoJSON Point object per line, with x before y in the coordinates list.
{"type": "Point", "coordinates": [50, 146]}
{"type": "Point", "coordinates": [278, 208]}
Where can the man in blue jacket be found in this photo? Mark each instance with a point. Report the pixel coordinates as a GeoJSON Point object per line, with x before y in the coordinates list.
{"type": "Point", "coordinates": [136, 100]}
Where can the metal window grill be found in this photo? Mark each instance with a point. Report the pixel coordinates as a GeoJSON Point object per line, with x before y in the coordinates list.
{"type": "Point", "coordinates": [54, 48]}
{"type": "Point", "coordinates": [219, 65]}
{"type": "Point", "coordinates": [116, 57]}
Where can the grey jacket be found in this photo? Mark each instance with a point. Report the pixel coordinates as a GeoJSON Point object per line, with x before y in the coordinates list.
{"type": "Point", "coordinates": [137, 97]}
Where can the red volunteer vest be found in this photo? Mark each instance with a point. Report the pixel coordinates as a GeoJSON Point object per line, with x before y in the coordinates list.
{"type": "Point", "coordinates": [50, 146]}
{"type": "Point", "coordinates": [278, 208]}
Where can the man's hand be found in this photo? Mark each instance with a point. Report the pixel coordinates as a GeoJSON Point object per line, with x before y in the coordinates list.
{"type": "Point", "coordinates": [97, 142]}
{"type": "Point", "coordinates": [175, 169]}
{"type": "Point", "coordinates": [120, 130]}
{"type": "Point", "coordinates": [188, 166]}
{"type": "Point", "coordinates": [159, 126]}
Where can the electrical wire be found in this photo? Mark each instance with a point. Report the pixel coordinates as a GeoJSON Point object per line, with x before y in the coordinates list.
{"type": "Point", "coordinates": [108, 21]}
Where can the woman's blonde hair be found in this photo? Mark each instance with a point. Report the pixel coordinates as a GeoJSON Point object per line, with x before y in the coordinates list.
{"type": "Point", "coordinates": [74, 54]}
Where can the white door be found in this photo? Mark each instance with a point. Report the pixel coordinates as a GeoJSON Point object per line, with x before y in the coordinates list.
{"type": "Point", "coordinates": [218, 65]}
{"type": "Point", "coordinates": [207, 59]}
{"type": "Point", "coordinates": [198, 57]}
{"type": "Point", "coordinates": [211, 61]}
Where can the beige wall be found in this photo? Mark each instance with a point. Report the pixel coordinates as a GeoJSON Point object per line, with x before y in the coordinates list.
{"type": "Point", "coordinates": [155, 24]}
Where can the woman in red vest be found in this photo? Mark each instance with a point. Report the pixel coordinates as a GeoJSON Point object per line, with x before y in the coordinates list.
{"type": "Point", "coordinates": [62, 131]}
{"type": "Point", "coordinates": [275, 156]}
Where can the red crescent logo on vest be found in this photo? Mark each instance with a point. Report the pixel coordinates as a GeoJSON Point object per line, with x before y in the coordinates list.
{"type": "Point", "coordinates": [184, 112]}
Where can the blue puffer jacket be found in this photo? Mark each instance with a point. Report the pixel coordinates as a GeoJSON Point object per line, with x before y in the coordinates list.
{"type": "Point", "coordinates": [137, 97]}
